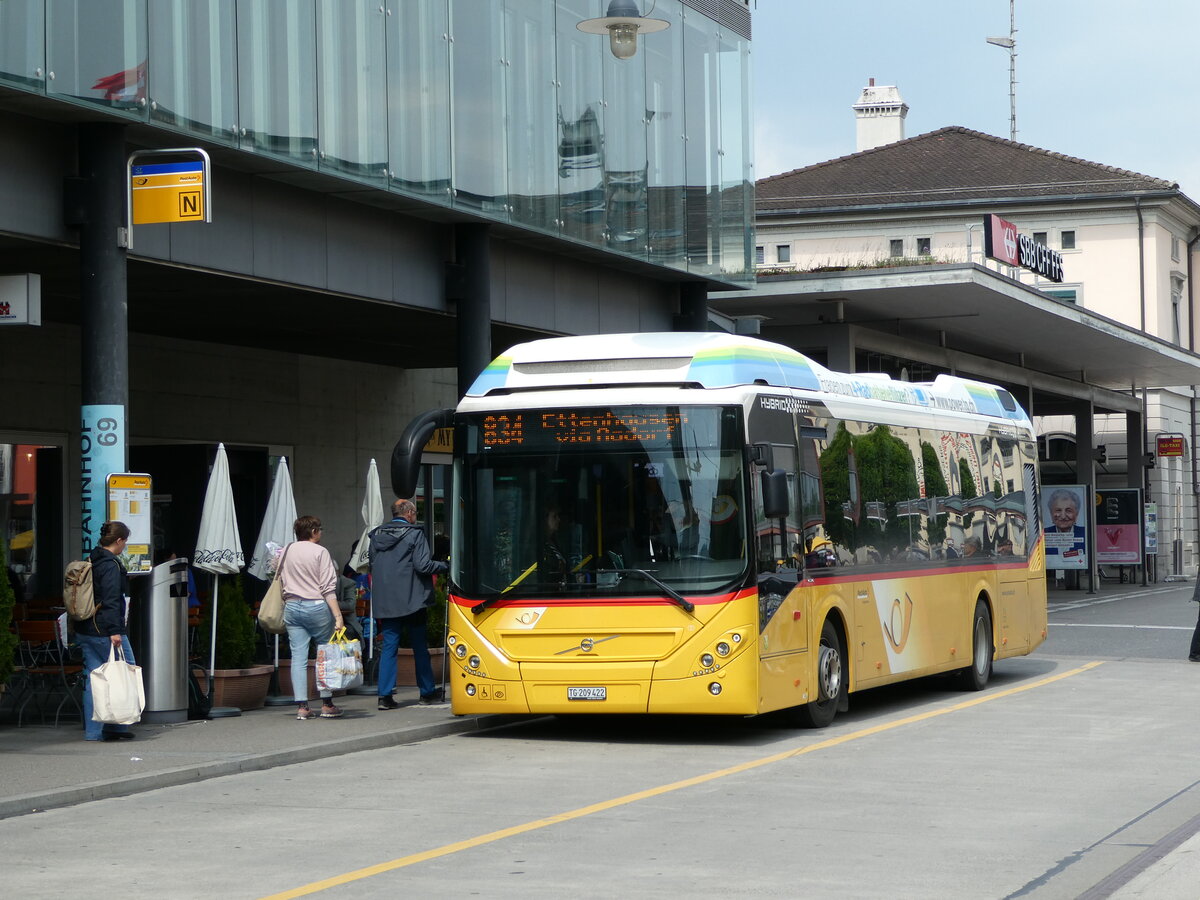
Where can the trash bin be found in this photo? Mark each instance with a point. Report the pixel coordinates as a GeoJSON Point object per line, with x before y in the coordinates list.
{"type": "Point", "coordinates": [162, 651]}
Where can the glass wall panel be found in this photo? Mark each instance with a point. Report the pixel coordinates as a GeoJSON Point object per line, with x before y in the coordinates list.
{"type": "Point", "coordinates": [477, 113]}
{"type": "Point", "coordinates": [193, 66]}
{"type": "Point", "coordinates": [701, 51]}
{"type": "Point", "coordinates": [581, 124]}
{"type": "Point", "coordinates": [665, 139]}
{"type": "Point", "coordinates": [277, 64]}
{"type": "Point", "coordinates": [352, 93]}
{"type": "Point", "coordinates": [737, 183]}
{"type": "Point", "coordinates": [532, 113]}
{"type": "Point", "coordinates": [625, 163]}
{"type": "Point", "coordinates": [23, 44]}
{"type": "Point", "coordinates": [418, 65]}
{"type": "Point", "coordinates": [96, 52]}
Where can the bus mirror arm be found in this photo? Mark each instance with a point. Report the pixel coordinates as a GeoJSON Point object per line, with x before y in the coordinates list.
{"type": "Point", "coordinates": [406, 455]}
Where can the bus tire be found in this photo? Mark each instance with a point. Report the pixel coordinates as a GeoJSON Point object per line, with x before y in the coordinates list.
{"type": "Point", "coordinates": [975, 676]}
{"type": "Point", "coordinates": [831, 681]}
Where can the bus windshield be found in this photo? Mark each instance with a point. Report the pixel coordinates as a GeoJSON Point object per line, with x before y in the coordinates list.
{"type": "Point", "coordinates": [600, 502]}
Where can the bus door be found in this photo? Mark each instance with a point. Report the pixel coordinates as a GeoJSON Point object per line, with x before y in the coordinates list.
{"type": "Point", "coordinates": [1011, 547]}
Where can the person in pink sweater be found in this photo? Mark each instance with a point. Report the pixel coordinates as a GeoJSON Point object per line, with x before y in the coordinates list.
{"type": "Point", "coordinates": [310, 610]}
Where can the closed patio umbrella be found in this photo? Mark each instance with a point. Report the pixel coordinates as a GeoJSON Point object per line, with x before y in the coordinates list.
{"type": "Point", "coordinates": [218, 546]}
{"type": "Point", "coordinates": [372, 516]}
{"type": "Point", "coordinates": [277, 525]}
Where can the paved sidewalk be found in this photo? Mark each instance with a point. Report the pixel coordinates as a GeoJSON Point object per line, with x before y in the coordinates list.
{"type": "Point", "coordinates": [43, 766]}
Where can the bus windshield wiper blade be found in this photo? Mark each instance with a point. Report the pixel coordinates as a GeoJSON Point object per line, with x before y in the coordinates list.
{"type": "Point", "coordinates": [683, 602]}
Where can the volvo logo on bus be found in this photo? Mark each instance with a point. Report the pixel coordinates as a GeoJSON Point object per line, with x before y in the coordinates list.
{"type": "Point", "coordinates": [586, 645]}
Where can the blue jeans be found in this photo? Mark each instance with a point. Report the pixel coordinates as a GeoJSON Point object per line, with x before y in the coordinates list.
{"type": "Point", "coordinates": [95, 654]}
{"type": "Point", "coordinates": [306, 620]}
{"type": "Point", "coordinates": [390, 629]}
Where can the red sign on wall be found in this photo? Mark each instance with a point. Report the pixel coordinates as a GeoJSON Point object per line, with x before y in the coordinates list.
{"type": "Point", "coordinates": [1170, 445]}
{"type": "Point", "coordinates": [1000, 240]}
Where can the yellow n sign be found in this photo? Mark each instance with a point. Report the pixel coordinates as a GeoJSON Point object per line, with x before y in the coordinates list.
{"type": "Point", "coordinates": [168, 192]}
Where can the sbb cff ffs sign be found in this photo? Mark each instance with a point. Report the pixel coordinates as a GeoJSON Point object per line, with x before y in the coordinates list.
{"type": "Point", "coordinates": [1004, 244]}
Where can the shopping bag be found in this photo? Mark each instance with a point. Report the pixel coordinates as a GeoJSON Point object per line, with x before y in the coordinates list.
{"type": "Point", "coordinates": [118, 696]}
{"type": "Point", "coordinates": [270, 610]}
{"type": "Point", "coordinates": [339, 663]}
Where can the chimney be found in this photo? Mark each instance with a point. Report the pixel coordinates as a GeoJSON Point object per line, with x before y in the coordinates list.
{"type": "Point", "coordinates": [880, 113]}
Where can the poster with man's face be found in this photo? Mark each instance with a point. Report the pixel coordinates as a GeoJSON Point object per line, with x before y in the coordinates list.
{"type": "Point", "coordinates": [1066, 527]}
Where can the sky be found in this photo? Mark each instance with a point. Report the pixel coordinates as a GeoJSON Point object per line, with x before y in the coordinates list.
{"type": "Point", "coordinates": [1109, 82]}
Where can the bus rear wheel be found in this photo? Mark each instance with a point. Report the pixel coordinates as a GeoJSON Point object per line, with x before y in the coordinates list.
{"type": "Point", "coordinates": [831, 681]}
{"type": "Point", "coordinates": [975, 676]}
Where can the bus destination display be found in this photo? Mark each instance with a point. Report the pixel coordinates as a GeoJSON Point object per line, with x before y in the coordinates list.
{"type": "Point", "coordinates": [543, 428]}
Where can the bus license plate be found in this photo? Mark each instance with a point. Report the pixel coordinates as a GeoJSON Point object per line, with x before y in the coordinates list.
{"type": "Point", "coordinates": [587, 693]}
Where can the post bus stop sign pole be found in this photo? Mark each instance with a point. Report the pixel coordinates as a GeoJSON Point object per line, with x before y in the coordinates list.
{"type": "Point", "coordinates": [177, 191]}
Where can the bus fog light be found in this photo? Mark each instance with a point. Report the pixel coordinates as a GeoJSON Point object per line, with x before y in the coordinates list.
{"type": "Point", "coordinates": [470, 689]}
{"type": "Point", "coordinates": [706, 659]}
{"type": "Point", "coordinates": [714, 688]}
{"type": "Point", "coordinates": [460, 651]}
{"type": "Point", "coordinates": [722, 649]}
{"type": "Point", "coordinates": [473, 662]}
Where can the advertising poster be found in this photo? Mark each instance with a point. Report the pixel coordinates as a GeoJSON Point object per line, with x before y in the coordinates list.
{"type": "Point", "coordinates": [129, 501]}
{"type": "Point", "coordinates": [101, 451]}
{"type": "Point", "coordinates": [1152, 529]}
{"type": "Point", "coordinates": [1066, 526]}
{"type": "Point", "coordinates": [1119, 527]}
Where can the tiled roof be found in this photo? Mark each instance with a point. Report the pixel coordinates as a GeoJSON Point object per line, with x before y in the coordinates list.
{"type": "Point", "coordinates": [943, 166]}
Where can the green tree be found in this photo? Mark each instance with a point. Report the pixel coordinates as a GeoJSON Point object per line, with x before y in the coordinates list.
{"type": "Point", "coordinates": [967, 489]}
{"type": "Point", "coordinates": [236, 636]}
{"type": "Point", "coordinates": [835, 482]}
{"type": "Point", "coordinates": [887, 474]}
{"type": "Point", "coordinates": [935, 486]}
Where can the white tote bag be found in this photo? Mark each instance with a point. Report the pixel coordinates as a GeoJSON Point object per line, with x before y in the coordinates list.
{"type": "Point", "coordinates": [118, 696]}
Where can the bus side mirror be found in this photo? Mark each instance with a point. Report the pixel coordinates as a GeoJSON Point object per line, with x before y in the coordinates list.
{"type": "Point", "coordinates": [406, 455]}
{"type": "Point", "coordinates": [775, 494]}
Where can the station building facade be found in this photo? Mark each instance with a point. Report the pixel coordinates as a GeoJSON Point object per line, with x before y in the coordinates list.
{"type": "Point", "coordinates": [399, 192]}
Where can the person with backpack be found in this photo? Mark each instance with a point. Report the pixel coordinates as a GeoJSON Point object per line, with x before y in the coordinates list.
{"type": "Point", "coordinates": [97, 635]}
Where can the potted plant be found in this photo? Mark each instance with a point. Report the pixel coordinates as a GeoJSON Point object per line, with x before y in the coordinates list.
{"type": "Point", "coordinates": [236, 681]}
{"type": "Point", "coordinates": [8, 640]}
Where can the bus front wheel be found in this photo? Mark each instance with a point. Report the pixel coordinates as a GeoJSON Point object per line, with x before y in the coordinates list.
{"type": "Point", "coordinates": [831, 681]}
{"type": "Point", "coordinates": [975, 676]}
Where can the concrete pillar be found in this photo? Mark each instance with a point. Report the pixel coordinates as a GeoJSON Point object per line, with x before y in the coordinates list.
{"type": "Point", "coordinates": [104, 317]}
{"type": "Point", "coordinates": [1085, 467]}
{"type": "Point", "coordinates": [473, 292]}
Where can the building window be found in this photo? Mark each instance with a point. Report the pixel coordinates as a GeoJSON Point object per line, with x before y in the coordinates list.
{"type": "Point", "coordinates": [922, 246]}
{"type": "Point", "coordinates": [1069, 295]}
{"type": "Point", "coordinates": [783, 253]}
{"type": "Point", "coordinates": [1040, 237]}
{"type": "Point", "coordinates": [897, 248]}
{"type": "Point", "coordinates": [1068, 240]}
{"type": "Point", "coordinates": [760, 255]}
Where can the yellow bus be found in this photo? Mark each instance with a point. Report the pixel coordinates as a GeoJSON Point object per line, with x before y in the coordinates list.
{"type": "Point", "coordinates": [714, 524]}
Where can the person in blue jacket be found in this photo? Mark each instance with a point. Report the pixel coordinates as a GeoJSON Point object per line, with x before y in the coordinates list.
{"type": "Point", "coordinates": [402, 570]}
{"type": "Point", "coordinates": [107, 629]}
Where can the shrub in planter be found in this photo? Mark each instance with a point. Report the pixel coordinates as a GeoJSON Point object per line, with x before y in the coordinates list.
{"type": "Point", "coordinates": [8, 640]}
{"type": "Point", "coordinates": [236, 638]}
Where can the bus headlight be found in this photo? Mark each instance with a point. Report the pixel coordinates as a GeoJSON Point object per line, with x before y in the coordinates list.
{"type": "Point", "coordinates": [460, 651]}
{"type": "Point", "coordinates": [473, 662]}
{"type": "Point", "coordinates": [706, 660]}
{"type": "Point", "coordinates": [714, 688]}
{"type": "Point", "coordinates": [722, 649]}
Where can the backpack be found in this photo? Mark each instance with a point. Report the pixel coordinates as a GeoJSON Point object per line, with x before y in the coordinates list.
{"type": "Point", "coordinates": [199, 703]}
{"type": "Point", "coordinates": [77, 590]}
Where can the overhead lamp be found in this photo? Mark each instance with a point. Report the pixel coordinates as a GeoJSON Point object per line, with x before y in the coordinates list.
{"type": "Point", "coordinates": [622, 24]}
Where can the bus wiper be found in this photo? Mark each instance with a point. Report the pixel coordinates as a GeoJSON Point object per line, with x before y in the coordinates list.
{"type": "Point", "coordinates": [683, 601]}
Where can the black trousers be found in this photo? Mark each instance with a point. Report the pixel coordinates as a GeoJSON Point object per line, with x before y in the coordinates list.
{"type": "Point", "coordinates": [1195, 651]}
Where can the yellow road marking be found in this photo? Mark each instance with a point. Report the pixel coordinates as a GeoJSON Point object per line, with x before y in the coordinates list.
{"type": "Point", "coordinates": [493, 836]}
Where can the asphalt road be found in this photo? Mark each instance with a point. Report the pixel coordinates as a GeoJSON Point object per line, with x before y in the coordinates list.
{"type": "Point", "coordinates": [1061, 780]}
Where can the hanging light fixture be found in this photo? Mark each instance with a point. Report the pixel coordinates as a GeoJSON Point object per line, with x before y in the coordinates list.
{"type": "Point", "coordinates": [622, 24]}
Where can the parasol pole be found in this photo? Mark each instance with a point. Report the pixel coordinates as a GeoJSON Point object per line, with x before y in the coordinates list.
{"type": "Point", "coordinates": [212, 641]}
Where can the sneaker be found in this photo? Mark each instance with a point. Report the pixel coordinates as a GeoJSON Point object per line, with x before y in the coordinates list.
{"type": "Point", "coordinates": [329, 711]}
{"type": "Point", "coordinates": [388, 702]}
{"type": "Point", "coordinates": [1195, 657]}
{"type": "Point", "coordinates": [305, 713]}
{"type": "Point", "coordinates": [439, 697]}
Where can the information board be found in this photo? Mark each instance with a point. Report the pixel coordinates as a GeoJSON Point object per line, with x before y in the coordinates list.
{"type": "Point", "coordinates": [129, 501]}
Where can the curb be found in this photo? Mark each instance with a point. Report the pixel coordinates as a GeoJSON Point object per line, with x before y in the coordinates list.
{"type": "Point", "coordinates": [24, 804]}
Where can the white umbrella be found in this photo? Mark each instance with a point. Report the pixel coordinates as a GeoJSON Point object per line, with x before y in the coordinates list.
{"type": "Point", "coordinates": [218, 546]}
{"type": "Point", "coordinates": [277, 529]}
{"type": "Point", "coordinates": [277, 522]}
{"type": "Point", "coordinates": [372, 515]}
